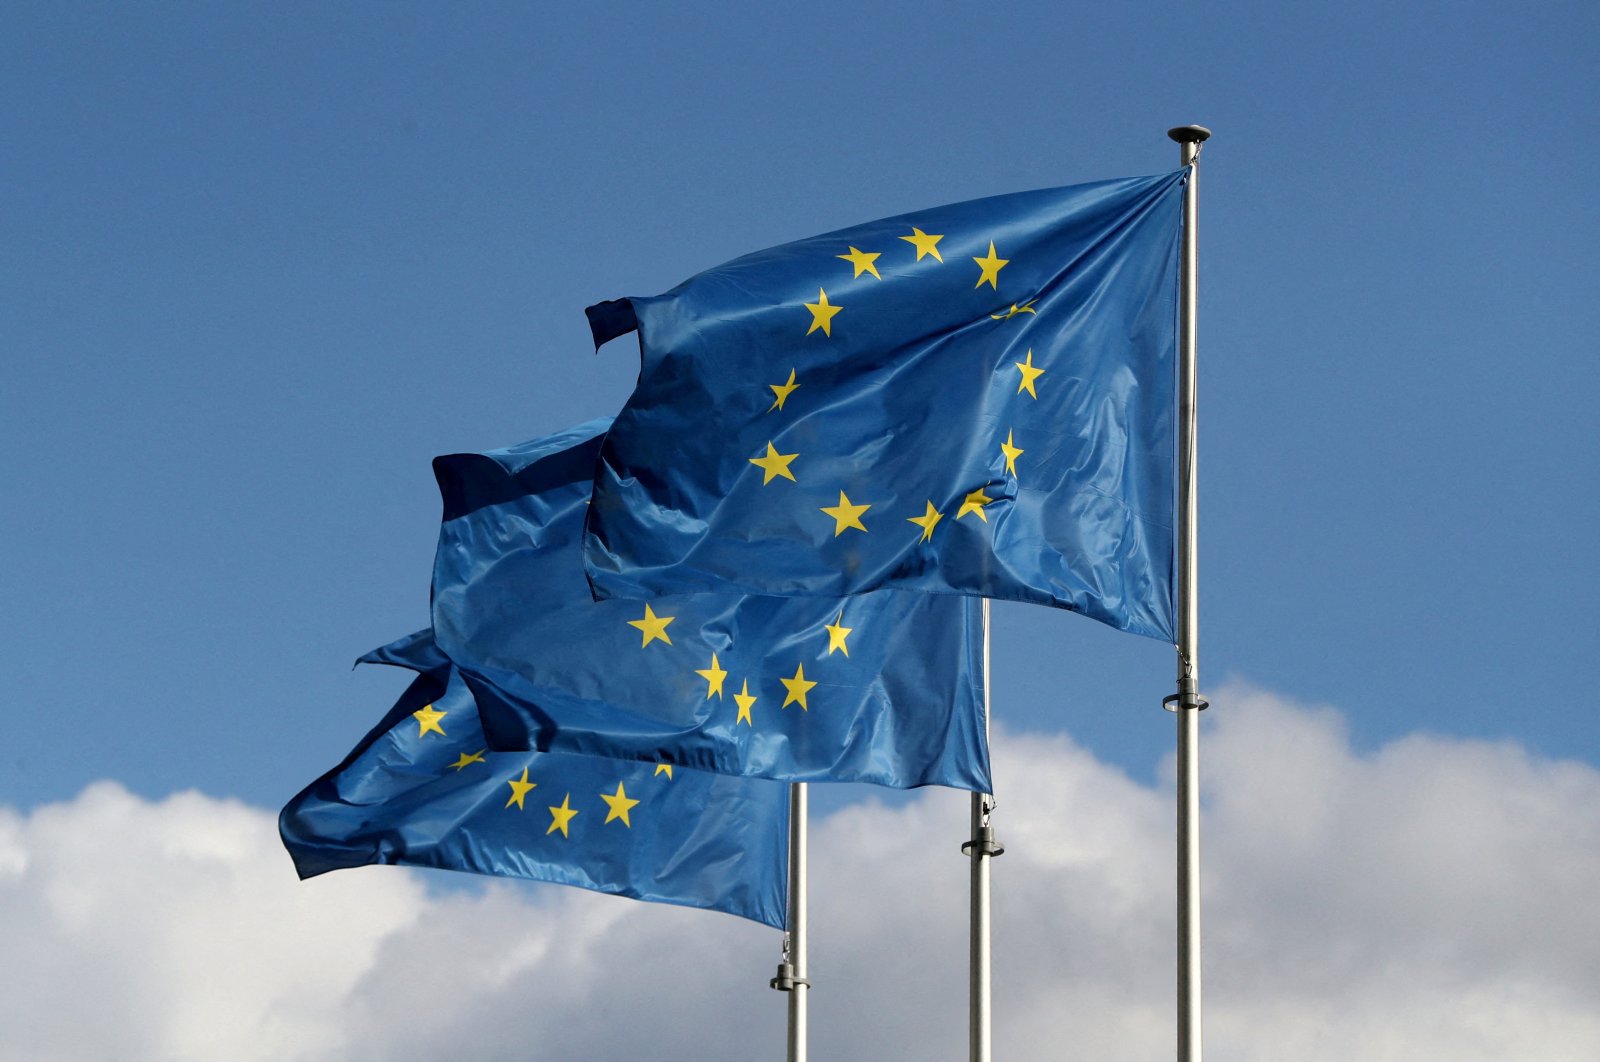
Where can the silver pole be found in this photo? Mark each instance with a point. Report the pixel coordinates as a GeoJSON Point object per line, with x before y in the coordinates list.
{"type": "Point", "coordinates": [981, 848]}
{"type": "Point", "coordinates": [978, 981]}
{"type": "Point", "coordinates": [791, 976]}
{"type": "Point", "coordinates": [1187, 702]}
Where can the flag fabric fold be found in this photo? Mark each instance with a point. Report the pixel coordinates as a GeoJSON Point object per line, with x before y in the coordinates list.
{"type": "Point", "coordinates": [423, 789]}
{"type": "Point", "coordinates": [883, 688]}
{"type": "Point", "coordinates": [973, 399]}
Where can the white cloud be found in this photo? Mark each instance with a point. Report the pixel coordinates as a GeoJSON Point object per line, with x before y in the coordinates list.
{"type": "Point", "coordinates": [1425, 901]}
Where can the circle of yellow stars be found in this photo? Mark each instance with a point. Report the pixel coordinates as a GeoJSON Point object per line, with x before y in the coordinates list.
{"type": "Point", "coordinates": [619, 804]}
{"type": "Point", "coordinates": [848, 514]}
{"type": "Point", "coordinates": [797, 688]}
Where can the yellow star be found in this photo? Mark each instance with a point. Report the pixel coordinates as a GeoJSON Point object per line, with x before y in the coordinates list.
{"type": "Point", "coordinates": [1012, 452]}
{"type": "Point", "coordinates": [1026, 307]}
{"type": "Point", "coordinates": [863, 262]}
{"type": "Point", "coordinates": [561, 816]}
{"type": "Point", "coordinates": [663, 769]}
{"type": "Point", "coordinates": [619, 803]}
{"type": "Point", "coordinates": [428, 719]}
{"type": "Point", "coordinates": [1029, 375]}
{"type": "Point", "coordinates": [846, 515]}
{"type": "Point", "coordinates": [837, 633]}
{"type": "Point", "coordinates": [783, 391]}
{"type": "Point", "coordinates": [822, 312]}
{"type": "Point", "coordinates": [653, 626]}
{"type": "Point", "coordinates": [797, 688]}
{"type": "Point", "coordinates": [926, 521]}
{"type": "Point", "coordinates": [746, 700]}
{"type": "Point", "coordinates": [991, 267]}
{"type": "Point", "coordinates": [466, 758]}
{"type": "Point", "coordinates": [713, 676]}
{"type": "Point", "coordinates": [519, 789]}
{"type": "Point", "coordinates": [774, 465]}
{"type": "Point", "coordinates": [924, 243]}
{"type": "Point", "coordinates": [974, 504]}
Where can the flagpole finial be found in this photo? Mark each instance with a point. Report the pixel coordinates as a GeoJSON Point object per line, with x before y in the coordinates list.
{"type": "Point", "coordinates": [1189, 134]}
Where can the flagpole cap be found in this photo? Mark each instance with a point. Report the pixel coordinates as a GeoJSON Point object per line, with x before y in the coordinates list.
{"type": "Point", "coordinates": [1189, 134]}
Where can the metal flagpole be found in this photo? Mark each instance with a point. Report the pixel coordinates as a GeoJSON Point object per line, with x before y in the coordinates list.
{"type": "Point", "coordinates": [791, 976]}
{"type": "Point", "coordinates": [1187, 702]}
{"type": "Point", "coordinates": [981, 849]}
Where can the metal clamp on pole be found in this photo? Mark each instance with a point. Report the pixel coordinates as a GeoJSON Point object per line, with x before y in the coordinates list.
{"type": "Point", "coordinates": [786, 981]}
{"type": "Point", "coordinates": [1183, 700]}
{"type": "Point", "coordinates": [984, 844]}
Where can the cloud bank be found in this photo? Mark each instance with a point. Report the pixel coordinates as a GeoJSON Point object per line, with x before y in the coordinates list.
{"type": "Point", "coordinates": [1425, 900]}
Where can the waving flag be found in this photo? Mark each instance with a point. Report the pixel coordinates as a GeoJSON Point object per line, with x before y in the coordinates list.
{"type": "Point", "coordinates": [974, 399]}
{"type": "Point", "coordinates": [883, 688]}
{"type": "Point", "coordinates": [423, 788]}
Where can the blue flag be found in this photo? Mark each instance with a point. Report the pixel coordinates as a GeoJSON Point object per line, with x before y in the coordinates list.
{"type": "Point", "coordinates": [883, 688]}
{"type": "Point", "coordinates": [974, 399]}
{"type": "Point", "coordinates": [423, 789]}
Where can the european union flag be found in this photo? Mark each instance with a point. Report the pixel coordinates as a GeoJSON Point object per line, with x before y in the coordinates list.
{"type": "Point", "coordinates": [975, 399]}
{"type": "Point", "coordinates": [882, 687]}
{"type": "Point", "coordinates": [423, 789]}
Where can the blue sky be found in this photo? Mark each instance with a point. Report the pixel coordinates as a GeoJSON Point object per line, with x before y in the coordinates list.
{"type": "Point", "coordinates": [259, 265]}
